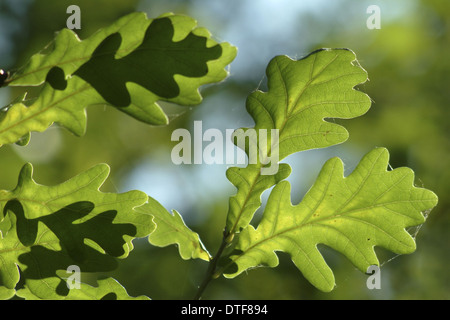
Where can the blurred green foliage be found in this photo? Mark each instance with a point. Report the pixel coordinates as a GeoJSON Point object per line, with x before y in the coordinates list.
{"type": "Point", "coordinates": [409, 70]}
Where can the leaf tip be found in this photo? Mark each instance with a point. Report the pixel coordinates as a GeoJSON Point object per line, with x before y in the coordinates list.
{"type": "Point", "coordinates": [26, 173]}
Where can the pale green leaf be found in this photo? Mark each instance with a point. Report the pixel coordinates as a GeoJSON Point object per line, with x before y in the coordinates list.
{"type": "Point", "coordinates": [301, 95]}
{"type": "Point", "coordinates": [130, 65]}
{"type": "Point", "coordinates": [47, 229]}
{"type": "Point", "coordinates": [6, 293]}
{"type": "Point", "coordinates": [371, 207]}
{"type": "Point", "coordinates": [171, 229]}
{"type": "Point", "coordinates": [107, 289]}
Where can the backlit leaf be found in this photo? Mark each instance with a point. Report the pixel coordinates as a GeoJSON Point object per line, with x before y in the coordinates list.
{"type": "Point", "coordinates": [171, 229]}
{"type": "Point", "coordinates": [129, 65]}
{"type": "Point", "coordinates": [107, 289]}
{"type": "Point", "coordinates": [47, 229]}
{"type": "Point", "coordinates": [301, 94]}
{"type": "Point", "coordinates": [371, 207]}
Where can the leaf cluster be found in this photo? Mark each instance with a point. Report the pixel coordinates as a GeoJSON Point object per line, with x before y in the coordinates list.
{"type": "Point", "coordinates": [137, 62]}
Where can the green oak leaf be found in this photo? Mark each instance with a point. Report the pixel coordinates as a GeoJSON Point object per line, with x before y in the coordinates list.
{"type": "Point", "coordinates": [301, 94]}
{"type": "Point", "coordinates": [130, 65]}
{"type": "Point", "coordinates": [47, 229]}
{"type": "Point", "coordinates": [6, 293]}
{"type": "Point", "coordinates": [371, 207]}
{"type": "Point", "coordinates": [171, 229]}
{"type": "Point", "coordinates": [107, 289]}
{"type": "Point", "coordinates": [250, 186]}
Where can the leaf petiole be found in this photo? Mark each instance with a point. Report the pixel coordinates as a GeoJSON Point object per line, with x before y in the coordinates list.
{"type": "Point", "coordinates": [211, 273]}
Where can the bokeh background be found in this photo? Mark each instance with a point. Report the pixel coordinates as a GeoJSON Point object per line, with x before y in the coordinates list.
{"type": "Point", "coordinates": [409, 69]}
